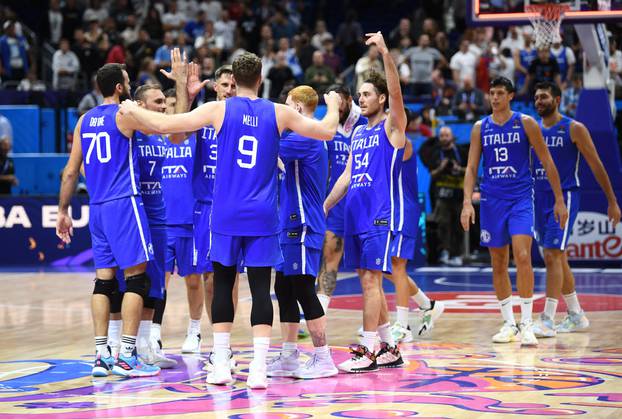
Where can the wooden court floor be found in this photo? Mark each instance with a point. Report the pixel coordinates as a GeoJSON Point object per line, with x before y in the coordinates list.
{"type": "Point", "coordinates": [46, 350]}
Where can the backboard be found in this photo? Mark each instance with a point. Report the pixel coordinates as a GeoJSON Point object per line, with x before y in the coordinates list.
{"type": "Point", "coordinates": [512, 12]}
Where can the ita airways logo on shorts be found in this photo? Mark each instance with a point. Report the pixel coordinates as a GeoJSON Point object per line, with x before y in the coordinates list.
{"type": "Point", "coordinates": [484, 236]}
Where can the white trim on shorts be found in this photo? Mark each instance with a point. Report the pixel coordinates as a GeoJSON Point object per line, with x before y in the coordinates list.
{"type": "Point", "coordinates": [399, 245]}
{"type": "Point", "coordinates": [131, 162]}
{"type": "Point", "coordinates": [299, 192]}
{"type": "Point", "coordinates": [140, 226]}
{"type": "Point", "coordinates": [385, 266]}
{"type": "Point", "coordinates": [303, 250]}
{"type": "Point", "coordinates": [391, 185]}
{"type": "Point", "coordinates": [563, 244]}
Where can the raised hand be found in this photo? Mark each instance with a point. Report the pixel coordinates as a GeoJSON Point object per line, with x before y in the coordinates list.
{"type": "Point", "coordinates": [194, 84]}
{"type": "Point", "coordinates": [332, 99]}
{"type": "Point", "coordinates": [179, 67]}
{"type": "Point", "coordinates": [377, 39]}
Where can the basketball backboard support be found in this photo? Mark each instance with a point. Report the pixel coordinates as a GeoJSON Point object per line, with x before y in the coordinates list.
{"type": "Point", "coordinates": [504, 13]}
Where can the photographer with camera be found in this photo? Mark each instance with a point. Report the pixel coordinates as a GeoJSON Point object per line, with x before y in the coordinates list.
{"type": "Point", "coordinates": [446, 163]}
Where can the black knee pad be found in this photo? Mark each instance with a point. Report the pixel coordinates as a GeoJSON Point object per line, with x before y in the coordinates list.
{"type": "Point", "coordinates": [138, 284]}
{"type": "Point", "coordinates": [150, 302]}
{"type": "Point", "coordinates": [304, 287]}
{"type": "Point", "coordinates": [115, 302]}
{"type": "Point", "coordinates": [259, 283]}
{"type": "Point", "coordinates": [284, 290]}
{"type": "Point", "coordinates": [222, 302]}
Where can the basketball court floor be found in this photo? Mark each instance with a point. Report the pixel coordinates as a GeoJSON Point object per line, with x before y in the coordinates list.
{"type": "Point", "coordinates": [46, 353]}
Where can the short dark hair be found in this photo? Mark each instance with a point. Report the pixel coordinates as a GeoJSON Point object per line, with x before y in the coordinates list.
{"type": "Point", "coordinates": [247, 69]}
{"type": "Point", "coordinates": [139, 94]}
{"type": "Point", "coordinates": [172, 92]}
{"type": "Point", "coordinates": [550, 86]}
{"type": "Point", "coordinates": [339, 88]}
{"type": "Point", "coordinates": [380, 84]}
{"type": "Point", "coordinates": [503, 82]}
{"type": "Point", "coordinates": [225, 69]}
{"type": "Point", "coordinates": [108, 76]}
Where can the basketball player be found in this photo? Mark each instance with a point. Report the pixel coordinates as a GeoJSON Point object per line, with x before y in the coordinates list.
{"type": "Point", "coordinates": [369, 179]}
{"type": "Point", "coordinates": [338, 150]}
{"type": "Point", "coordinates": [566, 140]}
{"type": "Point", "coordinates": [403, 249]}
{"type": "Point", "coordinates": [302, 225]}
{"type": "Point", "coordinates": [103, 140]}
{"type": "Point", "coordinates": [244, 217]}
{"type": "Point", "coordinates": [506, 207]}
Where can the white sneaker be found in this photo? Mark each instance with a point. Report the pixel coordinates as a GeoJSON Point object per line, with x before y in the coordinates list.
{"type": "Point", "coordinates": [362, 360]}
{"type": "Point", "coordinates": [401, 334]}
{"type": "Point", "coordinates": [192, 344]}
{"type": "Point", "coordinates": [430, 316]}
{"type": "Point", "coordinates": [283, 366]}
{"type": "Point", "coordinates": [544, 327]}
{"type": "Point", "coordinates": [573, 322]}
{"type": "Point", "coordinates": [507, 334]}
{"type": "Point", "coordinates": [317, 367]}
{"type": "Point", "coordinates": [257, 376]}
{"type": "Point", "coordinates": [527, 337]}
{"type": "Point", "coordinates": [221, 371]}
{"type": "Point", "coordinates": [389, 356]}
{"type": "Point", "coordinates": [158, 356]}
{"type": "Point", "coordinates": [210, 361]}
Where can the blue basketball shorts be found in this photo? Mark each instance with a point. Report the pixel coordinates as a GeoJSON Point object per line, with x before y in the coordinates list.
{"type": "Point", "coordinates": [302, 251]}
{"type": "Point", "coordinates": [370, 250]}
{"type": "Point", "coordinates": [548, 232]}
{"type": "Point", "coordinates": [335, 219]}
{"type": "Point", "coordinates": [155, 267]}
{"type": "Point", "coordinates": [120, 233]}
{"type": "Point", "coordinates": [500, 219]}
{"type": "Point", "coordinates": [249, 251]}
{"type": "Point", "coordinates": [403, 246]}
{"type": "Point", "coordinates": [202, 237]}
{"type": "Point", "coordinates": [180, 250]}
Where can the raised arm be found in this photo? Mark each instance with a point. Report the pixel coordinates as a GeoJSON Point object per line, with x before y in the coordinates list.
{"type": "Point", "coordinates": [340, 188]}
{"type": "Point", "coordinates": [581, 137]}
{"type": "Point", "coordinates": [539, 146]}
{"type": "Point", "coordinates": [288, 118]}
{"type": "Point", "coordinates": [470, 174]}
{"type": "Point", "coordinates": [64, 226]}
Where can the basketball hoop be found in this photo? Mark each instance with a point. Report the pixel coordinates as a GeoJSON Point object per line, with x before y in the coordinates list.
{"type": "Point", "coordinates": [546, 20]}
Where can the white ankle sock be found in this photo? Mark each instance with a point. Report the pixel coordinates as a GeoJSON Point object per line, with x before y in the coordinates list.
{"type": "Point", "coordinates": [324, 301]}
{"type": "Point", "coordinates": [384, 332]}
{"type": "Point", "coordinates": [144, 331]}
{"type": "Point", "coordinates": [506, 310]}
{"type": "Point", "coordinates": [526, 310]}
{"type": "Point", "coordinates": [194, 327]}
{"type": "Point", "coordinates": [101, 346]}
{"type": "Point", "coordinates": [402, 315]}
{"type": "Point", "coordinates": [369, 340]}
{"type": "Point", "coordinates": [260, 350]}
{"type": "Point", "coordinates": [572, 301]}
{"type": "Point", "coordinates": [322, 352]}
{"type": "Point", "coordinates": [114, 331]}
{"type": "Point", "coordinates": [422, 300]}
{"type": "Point", "coordinates": [289, 348]}
{"type": "Point", "coordinates": [128, 344]}
{"type": "Point", "coordinates": [550, 307]}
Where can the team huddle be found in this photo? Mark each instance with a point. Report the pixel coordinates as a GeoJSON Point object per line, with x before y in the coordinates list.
{"type": "Point", "coordinates": [244, 184]}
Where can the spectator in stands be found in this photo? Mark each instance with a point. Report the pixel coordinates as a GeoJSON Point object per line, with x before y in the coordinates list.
{"type": "Point", "coordinates": [423, 60]}
{"type": "Point", "coordinates": [403, 69]}
{"type": "Point", "coordinates": [570, 96]}
{"type": "Point", "coordinates": [615, 65]}
{"type": "Point", "coordinates": [212, 9]}
{"type": "Point", "coordinates": [446, 163]}
{"type": "Point", "coordinates": [367, 64]}
{"type": "Point", "coordinates": [173, 20]}
{"type": "Point", "coordinates": [321, 34]}
{"type": "Point", "coordinates": [147, 73]}
{"type": "Point", "coordinates": [523, 59]}
{"type": "Point", "coordinates": [543, 68]}
{"type": "Point", "coordinates": [319, 75]}
{"type": "Point", "coordinates": [14, 63]}
{"type": "Point", "coordinates": [304, 50]}
{"type": "Point", "coordinates": [291, 58]}
{"type": "Point", "coordinates": [195, 25]}
{"type": "Point", "coordinates": [189, 8]}
{"type": "Point", "coordinates": [183, 46]}
{"type": "Point", "coordinates": [72, 18]}
{"type": "Point", "coordinates": [442, 93]}
{"type": "Point", "coordinates": [249, 26]}
{"type": "Point", "coordinates": [6, 129]}
{"type": "Point", "coordinates": [31, 83]}
{"type": "Point", "coordinates": [462, 63]}
{"type": "Point", "coordinates": [143, 48]}
{"type": "Point", "coordinates": [7, 167]}
{"type": "Point", "coordinates": [121, 11]}
{"type": "Point", "coordinates": [93, 31]}
{"type": "Point", "coordinates": [163, 54]}
{"type": "Point", "coordinates": [331, 59]}
{"type": "Point", "coordinates": [566, 61]}
{"type": "Point", "coordinates": [502, 63]}
{"type": "Point", "coordinates": [468, 103]}
{"type": "Point", "coordinates": [91, 99]}
{"type": "Point", "coordinates": [403, 30]}
{"type": "Point", "coordinates": [153, 23]}
{"type": "Point", "coordinates": [55, 22]}
{"type": "Point", "coordinates": [85, 51]}
{"type": "Point", "coordinates": [279, 74]}
{"type": "Point", "coordinates": [513, 41]}
{"type": "Point", "coordinates": [65, 67]}
{"type": "Point", "coordinates": [117, 53]}
{"type": "Point", "coordinates": [225, 29]}
{"type": "Point", "coordinates": [209, 39]}
{"type": "Point", "coordinates": [282, 26]}
{"type": "Point", "coordinates": [349, 37]}
{"type": "Point", "coordinates": [130, 33]}
{"type": "Point", "coordinates": [96, 12]}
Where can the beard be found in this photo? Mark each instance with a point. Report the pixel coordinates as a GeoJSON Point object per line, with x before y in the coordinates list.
{"type": "Point", "coordinates": [125, 95]}
{"type": "Point", "coordinates": [547, 111]}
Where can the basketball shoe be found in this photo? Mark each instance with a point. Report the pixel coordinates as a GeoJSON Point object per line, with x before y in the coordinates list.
{"type": "Point", "coordinates": [430, 316]}
{"type": "Point", "coordinates": [210, 361]}
{"type": "Point", "coordinates": [133, 367]}
{"type": "Point", "coordinates": [362, 360]}
{"type": "Point", "coordinates": [317, 367]}
{"type": "Point", "coordinates": [573, 322]}
{"type": "Point", "coordinates": [527, 336]}
{"type": "Point", "coordinates": [507, 334]}
{"type": "Point", "coordinates": [257, 376]}
{"type": "Point", "coordinates": [221, 369]}
{"type": "Point", "coordinates": [192, 344]}
{"type": "Point", "coordinates": [102, 366]}
{"type": "Point", "coordinates": [389, 356]}
{"type": "Point", "coordinates": [544, 327]}
{"type": "Point", "coordinates": [401, 333]}
{"type": "Point", "coordinates": [283, 366]}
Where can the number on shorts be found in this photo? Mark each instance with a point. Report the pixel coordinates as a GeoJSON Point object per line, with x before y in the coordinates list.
{"type": "Point", "coordinates": [103, 150]}
{"type": "Point", "coordinates": [247, 146]}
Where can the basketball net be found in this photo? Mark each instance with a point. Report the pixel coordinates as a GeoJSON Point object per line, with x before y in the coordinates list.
{"type": "Point", "coordinates": [546, 20]}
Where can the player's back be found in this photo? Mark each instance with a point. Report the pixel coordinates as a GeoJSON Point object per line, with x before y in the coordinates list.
{"type": "Point", "coordinates": [407, 207]}
{"type": "Point", "coordinates": [565, 155]}
{"type": "Point", "coordinates": [370, 201]}
{"type": "Point", "coordinates": [110, 158]}
{"type": "Point", "coordinates": [304, 189]}
{"type": "Point", "coordinates": [245, 188]}
{"type": "Point", "coordinates": [177, 177]}
{"type": "Point", "coordinates": [506, 158]}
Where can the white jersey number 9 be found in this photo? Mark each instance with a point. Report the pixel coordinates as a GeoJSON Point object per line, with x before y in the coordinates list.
{"type": "Point", "coordinates": [247, 146]}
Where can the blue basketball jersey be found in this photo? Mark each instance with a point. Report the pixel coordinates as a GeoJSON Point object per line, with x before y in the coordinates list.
{"type": "Point", "coordinates": [370, 202]}
{"type": "Point", "coordinates": [245, 188]}
{"type": "Point", "coordinates": [565, 155]}
{"type": "Point", "coordinates": [151, 153]}
{"type": "Point", "coordinates": [204, 171]}
{"type": "Point", "coordinates": [177, 172]}
{"type": "Point", "coordinates": [304, 188]}
{"type": "Point", "coordinates": [407, 208]}
{"type": "Point", "coordinates": [110, 158]}
{"type": "Point", "coordinates": [506, 157]}
{"type": "Point", "coordinates": [562, 62]}
{"type": "Point", "coordinates": [525, 58]}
